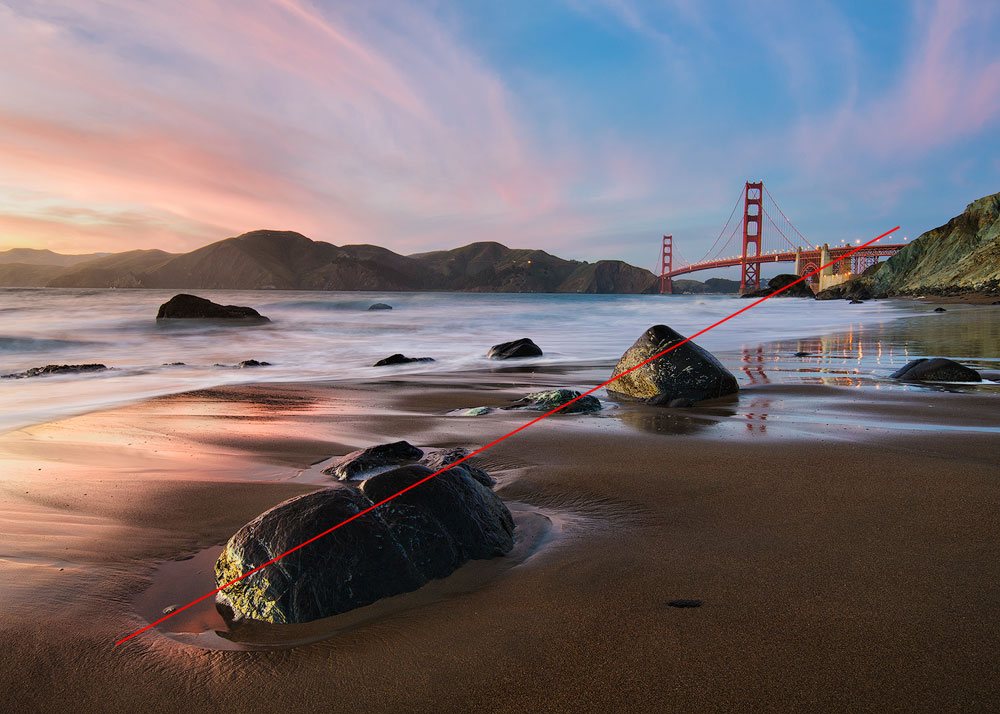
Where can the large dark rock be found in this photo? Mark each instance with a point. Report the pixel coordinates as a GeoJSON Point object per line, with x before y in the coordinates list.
{"type": "Point", "coordinates": [779, 281]}
{"type": "Point", "coordinates": [515, 350]}
{"type": "Point", "coordinates": [683, 376]}
{"type": "Point", "coordinates": [192, 307]}
{"type": "Point", "coordinates": [477, 521]}
{"type": "Point", "coordinates": [400, 359]}
{"type": "Point", "coordinates": [422, 534]}
{"type": "Point", "coordinates": [552, 398]}
{"type": "Point", "coordinates": [357, 463]}
{"type": "Point", "coordinates": [55, 369]}
{"type": "Point", "coordinates": [936, 369]}
{"type": "Point", "coordinates": [353, 566]}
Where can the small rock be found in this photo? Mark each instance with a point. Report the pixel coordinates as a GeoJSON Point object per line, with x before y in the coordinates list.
{"type": "Point", "coordinates": [549, 400]}
{"type": "Point", "coordinates": [937, 369]}
{"type": "Point", "coordinates": [855, 301]}
{"type": "Point", "coordinates": [252, 363]}
{"type": "Point", "coordinates": [380, 306]}
{"type": "Point", "coordinates": [803, 354]}
{"type": "Point", "coordinates": [169, 609]}
{"type": "Point", "coordinates": [685, 603]}
{"type": "Point", "coordinates": [173, 364]}
{"type": "Point", "coordinates": [515, 350]}
{"type": "Point", "coordinates": [356, 463]}
{"type": "Point", "coordinates": [400, 359]}
{"type": "Point", "coordinates": [476, 411]}
{"type": "Point", "coordinates": [940, 309]}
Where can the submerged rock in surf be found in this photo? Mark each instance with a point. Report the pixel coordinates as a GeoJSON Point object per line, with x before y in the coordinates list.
{"type": "Point", "coordinates": [192, 307]}
{"type": "Point", "coordinates": [357, 463]}
{"type": "Point", "coordinates": [380, 306]}
{"type": "Point", "coordinates": [517, 349]}
{"type": "Point", "coordinates": [55, 369]}
{"type": "Point", "coordinates": [400, 359]}
{"type": "Point", "coordinates": [936, 369]}
{"type": "Point", "coordinates": [685, 375]}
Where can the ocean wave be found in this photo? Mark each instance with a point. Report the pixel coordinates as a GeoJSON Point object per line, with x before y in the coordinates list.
{"type": "Point", "coordinates": [16, 343]}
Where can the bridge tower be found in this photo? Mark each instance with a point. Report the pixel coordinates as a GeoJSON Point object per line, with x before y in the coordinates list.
{"type": "Point", "coordinates": [753, 205]}
{"type": "Point", "coordinates": [667, 265]}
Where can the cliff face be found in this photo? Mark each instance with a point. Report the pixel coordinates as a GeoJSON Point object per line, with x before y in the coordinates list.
{"type": "Point", "coordinates": [285, 260]}
{"type": "Point", "coordinates": [962, 256]}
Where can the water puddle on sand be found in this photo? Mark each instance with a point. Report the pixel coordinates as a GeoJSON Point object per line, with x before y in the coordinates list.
{"type": "Point", "coordinates": [177, 582]}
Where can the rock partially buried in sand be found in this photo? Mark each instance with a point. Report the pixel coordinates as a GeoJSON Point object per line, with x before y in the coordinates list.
{"type": "Point", "coordinates": [936, 369]}
{"type": "Point", "coordinates": [192, 307]}
{"type": "Point", "coordinates": [552, 398]}
{"type": "Point", "coordinates": [446, 521]}
{"type": "Point", "coordinates": [380, 306]}
{"type": "Point", "coordinates": [940, 309]}
{"type": "Point", "coordinates": [353, 566]}
{"type": "Point", "coordinates": [400, 359]}
{"type": "Point", "coordinates": [55, 369]}
{"type": "Point", "coordinates": [357, 463]}
{"type": "Point", "coordinates": [423, 534]}
{"type": "Point", "coordinates": [476, 411]}
{"type": "Point", "coordinates": [515, 350]}
{"type": "Point", "coordinates": [688, 373]}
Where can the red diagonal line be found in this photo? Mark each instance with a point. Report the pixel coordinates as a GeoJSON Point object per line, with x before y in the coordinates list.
{"type": "Point", "coordinates": [496, 441]}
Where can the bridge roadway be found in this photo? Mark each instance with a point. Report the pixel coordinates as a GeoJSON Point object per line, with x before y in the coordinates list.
{"type": "Point", "coordinates": [810, 259]}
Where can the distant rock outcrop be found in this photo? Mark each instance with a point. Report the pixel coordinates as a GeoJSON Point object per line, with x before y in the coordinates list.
{"type": "Point", "coordinates": [960, 257]}
{"type": "Point", "coordinates": [516, 349]}
{"type": "Point", "coordinates": [192, 307]}
{"type": "Point", "coordinates": [780, 281]}
{"type": "Point", "coordinates": [686, 375]}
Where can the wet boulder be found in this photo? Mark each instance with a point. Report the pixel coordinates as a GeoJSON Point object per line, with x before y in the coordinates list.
{"type": "Point", "coordinates": [936, 369]}
{"type": "Point", "coordinates": [437, 460]}
{"type": "Point", "coordinates": [552, 398]}
{"type": "Point", "coordinates": [400, 359]}
{"type": "Point", "coordinates": [380, 306]}
{"type": "Point", "coordinates": [248, 363]}
{"type": "Point", "coordinates": [350, 567]}
{"type": "Point", "coordinates": [515, 350]}
{"type": "Point", "coordinates": [50, 369]}
{"type": "Point", "coordinates": [474, 518]}
{"type": "Point", "coordinates": [688, 373]}
{"type": "Point", "coordinates": [192, 307]}
{"type": "Point", "coordinates": [381, 456]}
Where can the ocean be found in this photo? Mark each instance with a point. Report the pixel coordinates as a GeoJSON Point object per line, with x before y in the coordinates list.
{"type": "Point", "coordinates": [333, 336]}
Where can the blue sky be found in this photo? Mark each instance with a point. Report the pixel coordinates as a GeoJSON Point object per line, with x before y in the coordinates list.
{"type": "Point", "coordinates": [585, 127]}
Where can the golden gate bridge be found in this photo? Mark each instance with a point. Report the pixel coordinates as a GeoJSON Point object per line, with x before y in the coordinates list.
{"type": "Point", "coordinates": [768, 236]}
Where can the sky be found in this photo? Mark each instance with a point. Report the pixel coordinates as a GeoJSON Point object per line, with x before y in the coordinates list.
{"type": "Point", "coordinates": [587, 128]}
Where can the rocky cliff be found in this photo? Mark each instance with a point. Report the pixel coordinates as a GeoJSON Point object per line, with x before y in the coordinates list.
{"type": "Point", "coordinates": [960, 257]}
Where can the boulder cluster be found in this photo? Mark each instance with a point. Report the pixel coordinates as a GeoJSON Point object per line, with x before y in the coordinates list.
{"type": "Point", "coordinates": [395, 547]}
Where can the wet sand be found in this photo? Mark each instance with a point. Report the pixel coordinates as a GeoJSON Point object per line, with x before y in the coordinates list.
{"type": "Point", "coordinates": [840, 531]}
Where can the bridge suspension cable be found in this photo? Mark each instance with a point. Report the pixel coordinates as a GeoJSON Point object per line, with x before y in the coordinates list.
{"type": "Point", "coordinates": [723, 231]}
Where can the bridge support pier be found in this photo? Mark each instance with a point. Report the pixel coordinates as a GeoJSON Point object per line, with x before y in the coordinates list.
{"type": "Point", "coordinates": [753, 215]}
{"type": "Point", "coordinates": [667, 266]}
{"type": "Point", "coordinates": [798, 261]}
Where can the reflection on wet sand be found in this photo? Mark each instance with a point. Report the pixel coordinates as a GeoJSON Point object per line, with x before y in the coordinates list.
{"type": "Point", "coordinates": [664, 420]}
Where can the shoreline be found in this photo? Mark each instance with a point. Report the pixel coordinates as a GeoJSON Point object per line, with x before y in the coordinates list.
{"type": "Point", "coordinates": [814, 515]}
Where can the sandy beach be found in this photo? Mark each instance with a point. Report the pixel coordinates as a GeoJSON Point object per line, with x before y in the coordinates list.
{"type": "Point", "coordinates": [839, 530]}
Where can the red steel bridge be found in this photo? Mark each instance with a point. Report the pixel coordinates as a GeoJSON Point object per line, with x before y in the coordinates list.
{"type": "Point", "coordinates": [765, 235]}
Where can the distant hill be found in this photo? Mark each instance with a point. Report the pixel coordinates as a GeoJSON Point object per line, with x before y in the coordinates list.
{"type": "Point", "coordinates": [33, 256]}
{"type": "Point", "coordinates": [285, 260]}
{"type": "Point", "coordinates": [715, 286]}
{"type": "Point", "coordinates": [962, 256]}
